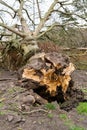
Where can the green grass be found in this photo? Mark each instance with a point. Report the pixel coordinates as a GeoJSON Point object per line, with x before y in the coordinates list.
{"type": "Point", "coordinates": [72, 126]}
{"type": "Point", "coordinates": [50, 106]}
{"type": "Point", "coordinates": [2, 113]}
{"type": "Point", "coordinates": [68, 122]}
{"type": "Point", "coordinates": [63, 116]}
{"type": "Point", "coordinates": [84, 90]}
{"type": "Point", "coordinates": [15, 89]}
{"type": "Point", "coordinates": [82, 108]}
{"type": "Point", "coordinates": [76, 128]}
{"type": "Point", "coordinates": [50, 115]}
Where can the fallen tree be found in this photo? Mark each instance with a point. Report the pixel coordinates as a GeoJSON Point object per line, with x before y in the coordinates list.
{"type": "Point", "coordinates": [27, 26]}
{"type": "Point", "coordinates": [50, 72]}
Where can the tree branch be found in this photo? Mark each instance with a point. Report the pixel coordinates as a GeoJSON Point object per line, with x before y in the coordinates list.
{"type": "Point", "coordinates": [46, 16]}
{"type": "Point", "coordinates": [5, 34]}
{"type": "Point", "coordinates": [70, 14]}
{"type": "Point", "coordinates": [5, 4]}
{"type": "Point", "coordinates": [29, 17]}
{"type": "Point", "coordinates": [12, 30]}
{"type": "Point", "coordinates": [6, 12]}
{"type": "Point", "coordinates": [1, 19]}
{"type": "Point", "coordinates": [39, 12]}
{"type": "Point", "coordinates": [22, 20]}
{"type": "Point", "coordinates": [51, 27]}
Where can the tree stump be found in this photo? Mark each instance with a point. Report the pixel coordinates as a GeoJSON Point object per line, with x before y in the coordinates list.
{"type": "Point", "coordinates": [51, 71]}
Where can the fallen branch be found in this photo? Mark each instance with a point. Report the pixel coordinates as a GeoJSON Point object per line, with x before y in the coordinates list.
{"type": "Point", "coordinates": [33, 111]}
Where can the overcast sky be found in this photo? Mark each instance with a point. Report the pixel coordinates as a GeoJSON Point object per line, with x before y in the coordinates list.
{"type": "Point", "coordinates": [43, 6]}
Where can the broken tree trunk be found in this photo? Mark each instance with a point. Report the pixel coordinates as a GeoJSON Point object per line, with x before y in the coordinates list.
{"type": "Point", "coordinates": [50, 71]}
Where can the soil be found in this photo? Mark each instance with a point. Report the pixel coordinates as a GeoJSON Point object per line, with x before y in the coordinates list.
{"type": "Point", "coordinates": [37, 117]}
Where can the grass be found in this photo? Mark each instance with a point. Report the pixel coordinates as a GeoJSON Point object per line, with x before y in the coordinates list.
{"type": "Point", "coordinates": [71, 126]}
{"type": "Point", "coordinates": [15, 89]}
{"type": "Point", "coordinates": [82, 108]}
{"type": "Point", "coordinates": [63, 116]}
{"type": "Point", "coordinates": [69, 123]}
{"type": "Point", "coordinates": [84, 90]}
{"type": "Point", "coordinates": [50, 106]}
{"type": "Point", "coordinates": [2, 113]}
{"type": "Point", "coordinates": [76, 128]}
{"type": "Point", "coordinates": [50, 115]}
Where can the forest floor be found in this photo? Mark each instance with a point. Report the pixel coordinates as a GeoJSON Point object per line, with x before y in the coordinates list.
{"type": "Point", "coordinates": [38, 117]}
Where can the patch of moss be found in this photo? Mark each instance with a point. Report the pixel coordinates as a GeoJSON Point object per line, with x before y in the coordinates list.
{"type": "Point", "coordinates": [82, 108]}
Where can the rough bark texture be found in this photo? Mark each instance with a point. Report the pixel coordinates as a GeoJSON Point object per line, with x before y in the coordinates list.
{"type": "Point", "coordinates": [52, 71]}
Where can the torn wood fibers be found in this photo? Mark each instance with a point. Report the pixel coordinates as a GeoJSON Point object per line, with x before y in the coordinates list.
{"type": "Point", "coordinates": [51, 70]}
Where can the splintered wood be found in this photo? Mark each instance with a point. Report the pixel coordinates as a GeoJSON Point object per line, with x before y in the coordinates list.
{"type": "Point", "coordinates": [51, 70]}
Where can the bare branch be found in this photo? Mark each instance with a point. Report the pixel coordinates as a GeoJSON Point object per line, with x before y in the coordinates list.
{"type": "Point", "coordinates": [51, 27]}
{"type": "Point", "coordinates": [7, 12]}
{"type": "Point", "coordinates": [5, 34]}
{"type": "Point", "coordinates": [5, 4]}
{"type": "Point", "coordinates": [39, 12]}
{"type": "Point", "coordinates": [22, 20]}
{"type": "Point", "coordinates": [1, 19]}
{"type": "Point", "coordinates": [80, 16]}
{"type": "Point", "coordinates": [45, 18]}
{"type": "Point", "coordinates": [71, 14]}
{"type": "Point", "coordinates": [12, 30]}
{"type": "Point", "coordinates": [29, 17]}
